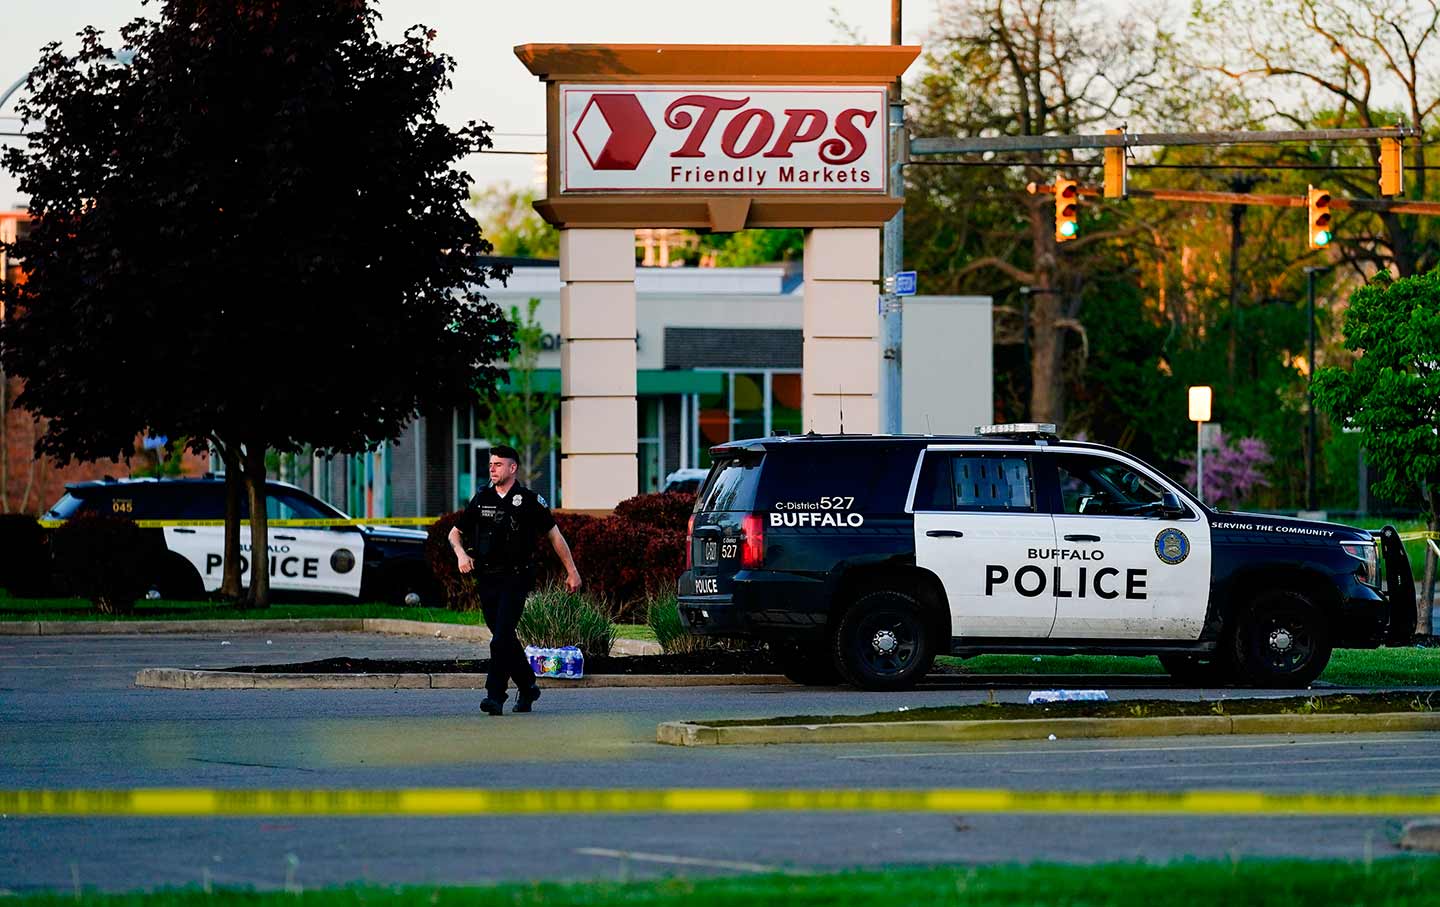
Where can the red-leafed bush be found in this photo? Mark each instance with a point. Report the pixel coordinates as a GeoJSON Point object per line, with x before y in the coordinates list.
{"type": "Point", "coordinates": [636, 552]}
{"type": "Point", "coordinates": [24, 556]}
{"type": "Point", "coordinates": [104, 558]}
{"type": "Point", "coordinates": [459, 589]}
{"type": "Point", "coordinates": [666, 510]}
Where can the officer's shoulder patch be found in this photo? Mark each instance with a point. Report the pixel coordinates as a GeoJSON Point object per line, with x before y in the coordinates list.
{"type": "Point", "coordinates": [1171, 546]}
{"type": "Point", "coordinates": [540, 499]}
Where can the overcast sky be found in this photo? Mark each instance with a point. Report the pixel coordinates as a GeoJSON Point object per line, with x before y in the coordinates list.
{"type": "Point", "coordinates": [490, 83]}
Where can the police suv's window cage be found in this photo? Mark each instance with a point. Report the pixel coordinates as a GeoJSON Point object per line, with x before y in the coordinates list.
{"type": "Point", "coordinates": [975, 483]}
{"type": "Point", "coordinates": [1100, 486]}
{"type": "Point", "coordinates": [731, 484]}
{"type": "Point", "coordinates": [858, 477]}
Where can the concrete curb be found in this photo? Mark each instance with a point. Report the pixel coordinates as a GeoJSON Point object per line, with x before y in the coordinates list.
{"type": "Point", "coordinates": [1422, 835]}
{"type": "Point", "coordinates": [184, 679]}
{"type": "Point", "coordinates": [686, 733]}
{"type": "Point", "coordinates": [389, 626]}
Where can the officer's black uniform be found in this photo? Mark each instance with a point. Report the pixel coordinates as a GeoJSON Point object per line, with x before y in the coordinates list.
{"type": "Point", "coordinates": [502, 535]}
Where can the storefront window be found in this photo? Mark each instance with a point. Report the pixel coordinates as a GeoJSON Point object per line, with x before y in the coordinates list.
{"type": "Point", "coordinates": [647, 433]}
{"type": "Point", "coordinates": [785, 401]}
{"type": "Point", "coordinates": [750, 405]}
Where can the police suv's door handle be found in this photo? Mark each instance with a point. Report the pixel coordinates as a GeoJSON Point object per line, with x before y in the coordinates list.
{"type": "Point", "coordinates": [291, 538]}
{"type": "Point", "coordinates": [184, 531]}
{"type": "Point", "coordinates": [945, 533]}
{"type": "Point", "coordinates": [1082, 538]}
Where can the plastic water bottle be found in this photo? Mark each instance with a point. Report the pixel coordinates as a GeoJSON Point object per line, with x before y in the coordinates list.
{"type": "Point", "coordinates": [574, 663]}
{"type": "Point", "coordinates": [1068, 696]}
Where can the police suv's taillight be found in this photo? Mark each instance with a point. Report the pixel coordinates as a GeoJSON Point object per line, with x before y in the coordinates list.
{"type": "Point", "coordinates": [752, 540]}
{"type": "Point", "coordinates": [690, 543]}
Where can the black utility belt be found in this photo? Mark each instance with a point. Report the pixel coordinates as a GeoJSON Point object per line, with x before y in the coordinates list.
{"type": "Point", "coordinates": [502, 571]}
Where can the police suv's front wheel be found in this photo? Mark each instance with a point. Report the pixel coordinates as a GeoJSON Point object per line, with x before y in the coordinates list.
{"type": "Point", "coordinates": [1281, 640]}
{"type": "Point", "coordinates": [883, 641]}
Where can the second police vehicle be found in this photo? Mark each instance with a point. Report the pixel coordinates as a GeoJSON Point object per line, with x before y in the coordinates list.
{"type": "Point", "coordinates": [862, 558]}
{"type": "Point", "coordinates": [342, 562]}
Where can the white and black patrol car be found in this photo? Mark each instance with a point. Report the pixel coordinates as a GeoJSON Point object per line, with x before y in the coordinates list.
{"type": "Point", "coordinates": [370, 563]}
{"type": "Point", "coordinates": [864, 557]}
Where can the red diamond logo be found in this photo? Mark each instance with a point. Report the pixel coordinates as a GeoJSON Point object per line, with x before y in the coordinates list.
{"type": "Point", "coordinates": [613, 132]}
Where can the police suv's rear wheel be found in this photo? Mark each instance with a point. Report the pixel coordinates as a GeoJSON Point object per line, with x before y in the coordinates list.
{"type": "Point", "coordinates": [811, 664]}
{"type": "Point", "coordinates": [178, 580]}
{"type": "Point", "coordinates": [883, 642]}
{"type": "Point", "coordinates": [1192, 671]}
{"type": "Point", "coordinates": [1283, 640]}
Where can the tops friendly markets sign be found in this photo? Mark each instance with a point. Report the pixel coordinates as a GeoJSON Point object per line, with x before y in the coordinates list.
{"type": "Point", "coordinates": [721, 138]}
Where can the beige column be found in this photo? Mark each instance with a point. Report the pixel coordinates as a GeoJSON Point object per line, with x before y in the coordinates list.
{"type": "Point", "coordinates": [598, 467]}
{"type": "Point", "coordinates": [842, 350]}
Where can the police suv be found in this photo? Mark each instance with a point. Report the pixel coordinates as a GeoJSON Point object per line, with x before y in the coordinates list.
{"type": "Point", "coordinates": [351, 562]}
{"type": "Point", "coordinates": [864, 557]}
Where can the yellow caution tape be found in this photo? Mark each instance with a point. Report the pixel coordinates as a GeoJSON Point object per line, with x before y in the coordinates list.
{"type": "Point", "coordinates": [158, 802]}
{"type": "Point", "coordinates": [1414, 536]}
{"type": "Point", "coordinates": [279, 524]}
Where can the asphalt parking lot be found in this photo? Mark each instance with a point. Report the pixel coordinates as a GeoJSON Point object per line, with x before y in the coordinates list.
{"type": "Point", "coordinates": [71, 719]}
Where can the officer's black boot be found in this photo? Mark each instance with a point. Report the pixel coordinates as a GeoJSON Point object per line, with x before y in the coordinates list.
{"type": "Point", "coordinates": [526, 698]}
{"type": "Point", "coordinates": [493, 706]}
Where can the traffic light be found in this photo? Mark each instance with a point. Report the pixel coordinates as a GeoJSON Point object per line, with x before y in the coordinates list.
{"type": "Point", "coordinates": [1319, 234]}
{"type": "Point", "coordinates": [1115, 173]}
{"type": "Point", "coordinates": [1067, 210]}
{"type": "Point", "coordinates": [1392, 168]}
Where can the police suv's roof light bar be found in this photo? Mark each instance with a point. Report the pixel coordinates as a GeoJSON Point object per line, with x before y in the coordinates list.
{"type": "Point", "coordinates": [1025, 430]}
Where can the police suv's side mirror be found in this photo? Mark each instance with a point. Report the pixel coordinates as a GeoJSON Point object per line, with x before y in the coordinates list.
{"type": "Point", "coordinates": [1170, 505]}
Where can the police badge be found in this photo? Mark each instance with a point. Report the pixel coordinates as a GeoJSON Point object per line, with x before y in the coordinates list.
{"type": "Point", "coordinates": [1171, 546]}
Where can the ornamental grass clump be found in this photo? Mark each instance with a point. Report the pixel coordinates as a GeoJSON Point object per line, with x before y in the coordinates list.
{"type": "Point", "coordinates": [663, 616]}
{"type": "Point", "coordinates": [555, 617]}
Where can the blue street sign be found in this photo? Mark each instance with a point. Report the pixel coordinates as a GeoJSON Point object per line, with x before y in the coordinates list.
{"type": "Point", "coordinates": [905, 283]}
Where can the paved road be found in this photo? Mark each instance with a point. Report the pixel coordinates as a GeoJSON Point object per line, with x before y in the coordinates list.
{"type": "Point", "coordinates": [70, 718]}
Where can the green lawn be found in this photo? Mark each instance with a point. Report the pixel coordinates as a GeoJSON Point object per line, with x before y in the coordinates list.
{"type": "Point", "coordinates": [12, 609]}
{"type": "Point", "coordinates": [1348, 667]}
{"type": "Point", "coordinates": [1395, 882]}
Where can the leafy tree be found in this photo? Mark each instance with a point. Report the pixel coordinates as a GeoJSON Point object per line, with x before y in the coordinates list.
{"type": "Point", "coordinates": [1392, 393]}
{"type": "Point", "coordinates": [1027, 67]}
{"type": "Point", "coordinates": [519, 415]}
{"type": "Point", "coordinates": [262, 206]}
{"type": "Point", "coordinates": [508, 218]}
{"type": "Point", "coordinates": [1352, 63]}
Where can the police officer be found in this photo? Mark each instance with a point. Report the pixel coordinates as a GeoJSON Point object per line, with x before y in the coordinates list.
{"type": "Point", "coordinates": [495, 538]}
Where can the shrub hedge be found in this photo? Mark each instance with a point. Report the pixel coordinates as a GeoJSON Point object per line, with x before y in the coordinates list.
{"type": "Point", "coordinates": [636, 553]}
{"type": "Point", "coordinates": [104, 558]}
{"type": "Point", "coordinates": [24, 556]}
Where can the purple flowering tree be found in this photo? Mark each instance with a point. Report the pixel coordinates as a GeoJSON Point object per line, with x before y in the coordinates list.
{"type": "Point", "coordinates": [1232, 472]}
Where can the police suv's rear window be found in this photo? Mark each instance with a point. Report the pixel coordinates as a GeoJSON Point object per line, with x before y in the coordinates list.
{"type": "Point", "coordinates": [864, 477]}
{"type": "Point", "coordinates": [730, 484]}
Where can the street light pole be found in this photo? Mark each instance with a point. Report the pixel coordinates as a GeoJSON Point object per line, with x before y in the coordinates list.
{"type": "Point", "coordinates": [1310, 441]}
{"type": "Point", "coordinates": [893, 252]}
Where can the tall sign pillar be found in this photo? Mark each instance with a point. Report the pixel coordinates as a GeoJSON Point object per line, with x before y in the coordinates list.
{"type": "Point", "coordinates": [720, 138]}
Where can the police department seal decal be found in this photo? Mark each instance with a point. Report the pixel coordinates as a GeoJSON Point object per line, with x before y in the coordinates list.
{"type": "Point", "coordinates": [342, 561]}
{"type": "Point", "coordinates": [1171, 546]}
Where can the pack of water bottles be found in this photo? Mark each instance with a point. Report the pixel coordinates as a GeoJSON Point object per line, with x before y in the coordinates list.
{"type": "Point", "coordinates": [567, 662]}
{"type": "Point", "coordinates": [1068, 696]}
